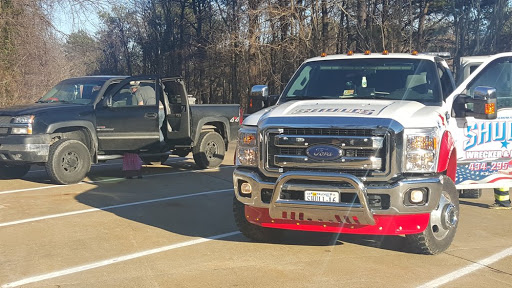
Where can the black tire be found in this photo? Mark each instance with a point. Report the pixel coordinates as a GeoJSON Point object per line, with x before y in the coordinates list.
{"type": "Point", "coordinates": [470, 193]}
{"type": "Point", "coordinates": [181, 152]}
{"type": "Point", "coordinates": [154, 160]}
{"type": "Point", "coordinates": [68, 161]}
{"type": "Point", "coordinates": [209, 151]}
{"type": "Point", "coordinates": [442, 225]}
{"type": "Point", "coordinates": [251, 231]}
{"type": "Point", "coordinates": [13, 171]}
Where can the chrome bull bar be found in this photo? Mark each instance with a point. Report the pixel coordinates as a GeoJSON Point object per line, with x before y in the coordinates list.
{"type": "Point", "coordinates": [343, 213]}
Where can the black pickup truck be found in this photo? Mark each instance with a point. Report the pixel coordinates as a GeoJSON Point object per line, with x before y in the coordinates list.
{"type": "Point", "coordinates": [97, 118]}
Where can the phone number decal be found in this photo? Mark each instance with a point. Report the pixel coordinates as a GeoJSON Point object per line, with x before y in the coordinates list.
{"type": "Point", "coordinates": [492, 166]}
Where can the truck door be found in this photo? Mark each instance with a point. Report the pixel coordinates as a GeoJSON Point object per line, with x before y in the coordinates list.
{"type": "Point", "coordinates": [125, 123]}
{"type": "Point", "coordinates": [178, 111]}
{"type": "Point", "coordinates": [485, 146]}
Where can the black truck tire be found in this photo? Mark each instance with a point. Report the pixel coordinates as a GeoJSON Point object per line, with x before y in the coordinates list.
{"type": "Point", "coordinates": [209, 151]}
{"type": "Point", "coordinates": [470, 193]}
{"type": "Point", "coordinates": [13, 171]}
{"type": "Point", "coordinates": [251, 231]}
{"type": "Point", "coordinates": [68, 161]}
{"type": "Point", "coordinates": [438, 235]}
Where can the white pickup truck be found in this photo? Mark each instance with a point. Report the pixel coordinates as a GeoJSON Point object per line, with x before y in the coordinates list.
{"type": "Point", "coordinates": [374, 144]}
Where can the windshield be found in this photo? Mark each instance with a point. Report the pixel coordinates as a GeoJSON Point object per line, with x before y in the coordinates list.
{"type": "Point", "coordinates": [78, 91]}
{"type": "Point", "coordinates": [393, 79]}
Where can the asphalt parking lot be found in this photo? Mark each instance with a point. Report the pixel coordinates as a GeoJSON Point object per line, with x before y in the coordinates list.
{"type": "Point", "coordinates": [174, 228]}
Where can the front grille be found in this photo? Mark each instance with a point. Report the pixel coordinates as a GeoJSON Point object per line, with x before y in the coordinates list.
{"type": "Point", "coordinates": [4, 130]}
{"type": "Point", "coordinates": [362, 151]}
{"type": "Point", "coordinates": [333, 132]}
{"type": "Point", "coordinates": [5, 120]}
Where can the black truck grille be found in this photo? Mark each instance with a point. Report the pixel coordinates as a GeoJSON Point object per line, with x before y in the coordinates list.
{"type": "Point", "coordinates": [5, 120]}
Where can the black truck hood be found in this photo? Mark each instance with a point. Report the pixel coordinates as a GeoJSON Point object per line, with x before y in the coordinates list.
{"type": "Point", "coordinates": [37, 108]}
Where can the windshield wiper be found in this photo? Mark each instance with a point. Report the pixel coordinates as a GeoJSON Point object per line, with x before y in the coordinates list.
{"type": "Point", "coordinates": [308, 98]}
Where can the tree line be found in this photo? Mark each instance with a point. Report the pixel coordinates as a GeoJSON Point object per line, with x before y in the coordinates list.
{"type": "Point", "coordinates": [223, 47]}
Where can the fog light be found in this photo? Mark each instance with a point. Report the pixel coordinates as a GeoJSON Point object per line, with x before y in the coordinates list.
{"type": "Point", "coordinates": [246, 188]}
{"type": "Point", "coordinates": [416, 196]}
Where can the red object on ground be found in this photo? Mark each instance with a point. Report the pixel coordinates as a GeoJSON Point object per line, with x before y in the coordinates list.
{"type": "Point", "coordinates": [131, 162]}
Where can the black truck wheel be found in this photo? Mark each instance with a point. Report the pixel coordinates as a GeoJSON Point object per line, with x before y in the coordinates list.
{"type": "Point", "coordinates": [13, 171]}
{"type": "Point", "coordinates": [68, 161]}
{"type": "Point", "coordinates": [442, 225]}
{"type": "Point", "coordinates": [209, 151]}
{"type": "Point", "coordinates": [251, 231]}
{"type": "Point", "coordinates": [470, 193]}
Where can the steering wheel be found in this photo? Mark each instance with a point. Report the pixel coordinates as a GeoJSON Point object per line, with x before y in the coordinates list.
{"type": "Point", "coordinates": [53, 99]}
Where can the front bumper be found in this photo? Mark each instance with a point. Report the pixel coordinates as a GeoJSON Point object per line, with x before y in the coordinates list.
{"type": "Point", "coordinates": [396, 217]}
{"type": "Point", "coordinates": [24, 148]}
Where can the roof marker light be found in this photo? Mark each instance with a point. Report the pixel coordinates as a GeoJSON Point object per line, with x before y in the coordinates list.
{"type": "Point", "coordinates": [414, 52]}
{"type": "Point", "coordinates": [350, 53]}
{"type": "Point", "coordinates": [367, 52]}
{"type": "Point", "coordinates": [323, 54]}
{"type": "Point", "coordinates": [385, 52]}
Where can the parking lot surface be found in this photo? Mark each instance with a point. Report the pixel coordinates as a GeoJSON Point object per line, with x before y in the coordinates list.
{"type": "Point", "coordinates": [174, 228]}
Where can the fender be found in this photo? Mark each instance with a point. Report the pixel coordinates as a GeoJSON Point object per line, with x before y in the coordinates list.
{"type": "Point", "coordinates": [205, 120]}
{"type": "Point", "coordinates": [447, 156]}
{"type": "Point", "coordinates": [76, 123]}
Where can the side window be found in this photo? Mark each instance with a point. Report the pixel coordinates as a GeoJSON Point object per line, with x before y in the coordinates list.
{"type": "Point", "coordinates": [497, 74]}
{"type": "Point", "coordinates": [446, 78]}
{"type": "Point", "coordinates": [124, 97]}
{"type": "Point", "coordinates": [300, 83]}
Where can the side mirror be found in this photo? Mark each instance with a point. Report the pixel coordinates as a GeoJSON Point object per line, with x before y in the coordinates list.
{"type": "Point", "coordinates": [484, 104]}
{"type": "Point", "coordinates": [258, 99]}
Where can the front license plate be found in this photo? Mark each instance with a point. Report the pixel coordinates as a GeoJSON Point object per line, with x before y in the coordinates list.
{"type": "Point", "coordinates": [317, 196]}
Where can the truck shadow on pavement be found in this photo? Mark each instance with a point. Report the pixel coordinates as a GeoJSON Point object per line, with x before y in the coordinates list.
{"type": "Point", "coordinates": [188, 204]}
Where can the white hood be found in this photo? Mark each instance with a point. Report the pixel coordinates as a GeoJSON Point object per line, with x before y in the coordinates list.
{"type": "Point", "coordinates": [408, 113]}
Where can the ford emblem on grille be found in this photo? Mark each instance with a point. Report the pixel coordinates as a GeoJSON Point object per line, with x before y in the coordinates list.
{"type": "Point", "coordinates": [324, 152]}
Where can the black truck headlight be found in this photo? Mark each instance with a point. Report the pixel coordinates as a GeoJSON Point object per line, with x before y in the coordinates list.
{"type": "Point", "coordinates": [247, 147]}
{"type": "Point", "coordinates": [22, 125]}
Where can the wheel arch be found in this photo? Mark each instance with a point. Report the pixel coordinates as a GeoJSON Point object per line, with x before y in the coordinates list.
{"type": "Point", "coordinates": [78, 130]}
{"type": "Point", "coordinates": [447, 161]}
{"type": "Point", "coordinates": [213, 123]}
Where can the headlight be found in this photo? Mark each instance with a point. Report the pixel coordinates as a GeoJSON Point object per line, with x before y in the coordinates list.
{"type": "Point", "coordinates": [25, 119]}
{"type": "Point", "coordinates": [420, 150]}
{"type": "Point", "coordinates": [247, 148]}
{"type": "Point", "coordinates": [22, 124]}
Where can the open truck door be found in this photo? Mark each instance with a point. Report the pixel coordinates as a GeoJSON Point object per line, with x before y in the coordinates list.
{"type": "Point", "coordinates": [484, 144]}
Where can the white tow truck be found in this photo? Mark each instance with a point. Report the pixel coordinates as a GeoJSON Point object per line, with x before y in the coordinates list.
{"type": "Point", "coordinates": [373, 144]}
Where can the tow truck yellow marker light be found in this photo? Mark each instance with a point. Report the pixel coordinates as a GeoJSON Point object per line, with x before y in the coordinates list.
{"type": "Point", "coordinates": [414, 52]}
{"type": "Point", "coordinates": [490, 108]}
{"type": "Point", "coordinates": [385, 52]}
{"type": "Point", "coordinates": [367, 52]}
{"type": "Point", "coordinates": [350, 53]}
{"type": "Point", "coordinates": [323, 54]}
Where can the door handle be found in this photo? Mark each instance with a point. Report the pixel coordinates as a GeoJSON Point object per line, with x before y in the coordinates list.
{"type": "Point", "coordinates": [151, 115]}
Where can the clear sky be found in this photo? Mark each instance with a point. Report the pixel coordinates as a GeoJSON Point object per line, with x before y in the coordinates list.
{"type": "Point", "coordinates": [67, 19]}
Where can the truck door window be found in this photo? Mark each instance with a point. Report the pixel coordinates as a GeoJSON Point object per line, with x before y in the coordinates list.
{"type": "Point", "coordinates": [446, 78]}
{"type": "Point", "coordinates": [497, 74]}
{"type": "Point", "coordinates": [124, 97]}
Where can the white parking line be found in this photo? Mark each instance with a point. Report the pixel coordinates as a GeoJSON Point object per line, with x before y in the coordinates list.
{"type": "Point", "coordinates": [116, 260]}
{"type": "Point", "coordinates": [468, 269]}
{"type": "Point", "coordinates": [111, 207]}
{"type": "Point", "coordinates": [111, 179]}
